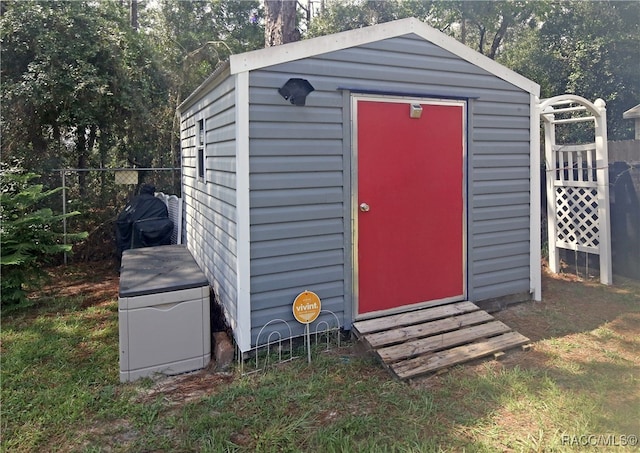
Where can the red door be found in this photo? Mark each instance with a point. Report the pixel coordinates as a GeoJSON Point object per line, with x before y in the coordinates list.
{"type": "Point", "coordinates": [410, 201]}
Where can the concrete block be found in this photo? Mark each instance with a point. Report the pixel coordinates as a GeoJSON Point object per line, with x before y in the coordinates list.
{"type": "Point", "coordinates": [223, 350]}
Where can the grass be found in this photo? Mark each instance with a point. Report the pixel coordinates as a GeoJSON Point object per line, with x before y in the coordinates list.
{"type": "Point", "coordinates": [579, 386]}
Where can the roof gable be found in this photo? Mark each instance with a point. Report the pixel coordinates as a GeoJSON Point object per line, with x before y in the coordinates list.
{"type": "Point", "coordinates": [270, 56]}
{"type": "Point", "coordinates": [633, 112]}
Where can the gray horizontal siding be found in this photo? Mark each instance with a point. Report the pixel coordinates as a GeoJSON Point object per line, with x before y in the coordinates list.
{"type": "Point", "coordinates": [434, 86]}
{"type": "Point", "coordinates": [504, 224]}
{"type": "Point", "coordinates": [210, 212]}
{"type": "Point", "coordinates": [508, 286]}
{"type": "Point", "coordinates": [300, 221]}
{"type": "Point", "coordinates": [505, 262]}
{"type": "Point", "coordinates": [299, 197]}
{"type": "Point", "coordinates": [284, 149]}
{"type": "Point", "coordinates": [295, 262]}
{"type": "Point", "coordinates": [295, 246]}
{"type": "Point", "coordinates": [297, 202]}
{"type": "Point", "coordinates": [273, 300]}
{"type": "Point", "coordinates": [500, 148]}
{"type": "Point", "coordinates": [283, 230]}
{"type": "Point", "coordinates": [297, 280]}
{"type": "Point", "coordinates": [499, 199]}
{"type": "Point", "coordinates": [295, 131]}
{"type": "Point", "coordinates": [499, 173]}
{"type": "Point", "coordinates": [414, 55]}
{"type": "Point", "coordinates": [288, 214]}
{"type": "Point", "coordinates": [288, 181]}
{"type": "Point", "coordinates": [482, 281]}
{"type": "Point", "coordinates": [493, 238]}
{"type": "Point", "coordinates": [500, 160]}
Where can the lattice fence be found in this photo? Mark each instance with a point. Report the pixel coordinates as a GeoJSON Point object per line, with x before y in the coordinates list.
{"type": "Point", "coordinates": [577, 218]}
{"type": "Point", "coordinates": [577, 182]}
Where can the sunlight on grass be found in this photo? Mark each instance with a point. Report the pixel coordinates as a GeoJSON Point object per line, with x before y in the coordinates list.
{"type": "Point", "coordinates": [604, 333]}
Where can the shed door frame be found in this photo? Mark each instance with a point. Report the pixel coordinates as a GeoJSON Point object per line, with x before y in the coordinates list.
{"type": "Point", "coordinates": [355, 98]}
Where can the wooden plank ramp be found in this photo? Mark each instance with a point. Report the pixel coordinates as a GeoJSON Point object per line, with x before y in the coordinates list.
{"type": "Point", "coordinates": [431, 339]}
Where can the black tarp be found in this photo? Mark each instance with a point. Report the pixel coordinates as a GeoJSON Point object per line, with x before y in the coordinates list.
{"type": "Point", "coordinates": [144, 222]}
{"type": "Point", "coordinates": [624, 195]}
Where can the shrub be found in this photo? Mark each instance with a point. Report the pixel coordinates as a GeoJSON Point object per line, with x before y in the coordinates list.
{"type": "Point", "coordinates": [27, 233]}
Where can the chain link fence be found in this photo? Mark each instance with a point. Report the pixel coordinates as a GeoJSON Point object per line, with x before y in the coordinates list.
{"type": "Point", "coordinates": [100, 194]}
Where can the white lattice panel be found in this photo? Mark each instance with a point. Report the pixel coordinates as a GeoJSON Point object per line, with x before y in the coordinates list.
{"type": "Point", "coordinates": [577, 181]}
{"type": "Point", "coordinates": [577, 218]}
{"type": "Point", "coordinates": [174, 206]}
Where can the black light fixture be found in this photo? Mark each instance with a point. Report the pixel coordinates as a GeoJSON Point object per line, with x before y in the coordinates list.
{"type": "Point", "coordinates": [296, 91]}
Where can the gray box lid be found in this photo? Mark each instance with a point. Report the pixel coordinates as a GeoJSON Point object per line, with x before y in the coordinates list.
{"type": "Point", "coordinates": [152, 270]}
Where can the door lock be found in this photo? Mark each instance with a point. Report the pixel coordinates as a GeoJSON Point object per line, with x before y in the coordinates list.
{"type": "Point", "coordinates": [364, 207]}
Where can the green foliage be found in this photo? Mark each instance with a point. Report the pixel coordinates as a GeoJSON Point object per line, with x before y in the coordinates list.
{"type": "Point", "coordinates": [217, 29]}
{"type": "Point", "coordinates": [591, 49]}
{"type": "Point", "coordinates": [351, 14]}
{"type": "Point", "coordinates": [78, 82]}
{"type": "Point", "coordinates": [484, 26]}
{"type": "Point", "coordinates": [488, 27]}
{"type": "Point", "coordinates": [27, 233]}
{"type": "Point", "coordinates": [82, 89]}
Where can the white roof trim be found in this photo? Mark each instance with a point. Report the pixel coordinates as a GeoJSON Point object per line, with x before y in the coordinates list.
{"type": "Point", "coordinates": [633, 112]}
{"type": "Point", "coordinates": [220, 73]}
{"type": "Point", "coordinates": [269, 56]}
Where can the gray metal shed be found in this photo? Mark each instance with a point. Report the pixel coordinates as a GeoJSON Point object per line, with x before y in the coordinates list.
{"type": "Point", "coordinates": [410, 176]}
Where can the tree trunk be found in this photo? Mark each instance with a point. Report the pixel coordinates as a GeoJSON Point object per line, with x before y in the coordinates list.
{"type": "Point", "coordinates": [81, 153]}
{"type": "Point", "coordinates": [497, 39]}
{"type": "Point", "coordinates": [133, 14]}
{"type": "Point", "coordinates": [482, 32]}
{"type": "Point", "coordinates": [280, 27]}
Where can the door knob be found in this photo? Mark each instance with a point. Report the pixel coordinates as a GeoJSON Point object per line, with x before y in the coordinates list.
{"type": "Point", "coordinates": [364, 207]}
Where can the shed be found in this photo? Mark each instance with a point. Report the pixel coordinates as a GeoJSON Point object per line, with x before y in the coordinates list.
{"type": "Point", "coordinates": [634, 114]}
{"type": "Point", "coordinates": [409, 177]}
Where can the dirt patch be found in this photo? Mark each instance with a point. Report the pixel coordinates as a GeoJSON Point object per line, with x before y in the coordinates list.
{"type": "Point", "coordinates": [95, 282]}
{"type": "Point", "coordinates": [184, 388]}
{"type": "Point", "coordinates": [571, 305]}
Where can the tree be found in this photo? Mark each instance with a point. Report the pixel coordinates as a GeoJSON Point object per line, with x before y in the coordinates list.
{"type": "Point", "coordinates": [487, 27]}
{"type": "Point", "coordinates": [133, 14]}
{"type": "Point", "coordinates": [78, 82]}
{"type": "Point", "coordinates": [27, 232]}
{"type": "Point", "coordinates": [591, 49]}
{"type": "Point", "coordinates": [189, 54]}
{"type": "Point", "coordinates": [483, 25]}
{"type": "Point", "coordinates": [346, 15]}
{"type": "Point", "coordinates": [280, 22]}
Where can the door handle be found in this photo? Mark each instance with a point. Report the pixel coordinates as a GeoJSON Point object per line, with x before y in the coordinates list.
{"type": "Point", "coordinates": [364, 207]}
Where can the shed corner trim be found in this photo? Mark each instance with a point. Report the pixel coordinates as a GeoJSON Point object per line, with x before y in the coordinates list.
{"type": "Point", "coordinates": [535, 241]}
{"type": "Point", "coordinates": [243, 240]}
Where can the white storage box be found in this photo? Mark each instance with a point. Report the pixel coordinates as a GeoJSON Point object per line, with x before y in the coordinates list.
{"type": "Point", "coordinates": [163, 313]}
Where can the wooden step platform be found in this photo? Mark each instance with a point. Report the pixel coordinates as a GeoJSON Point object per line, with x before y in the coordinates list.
{"type": "Point", "coordinates": [431, 339]}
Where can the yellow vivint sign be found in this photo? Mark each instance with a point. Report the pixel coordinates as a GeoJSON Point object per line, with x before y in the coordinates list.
{"type": "Point", "coordinates": [306, 307]}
